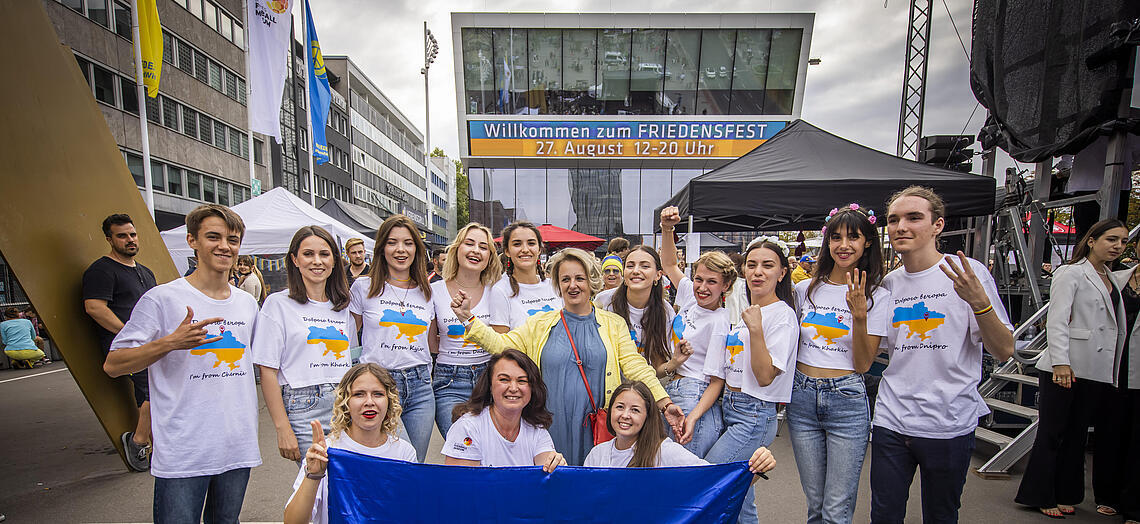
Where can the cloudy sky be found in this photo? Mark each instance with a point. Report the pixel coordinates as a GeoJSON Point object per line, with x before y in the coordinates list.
{"type": "Point", "coordinates": [855, 92]}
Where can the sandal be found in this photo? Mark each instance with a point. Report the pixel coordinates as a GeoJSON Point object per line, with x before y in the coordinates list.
{"type": "Point", "coordinates": [1053, 513]}
{"type": "Point", "coordinates": [1066, 509]}
{"type": "Point", "coordinates": [1106, 510]}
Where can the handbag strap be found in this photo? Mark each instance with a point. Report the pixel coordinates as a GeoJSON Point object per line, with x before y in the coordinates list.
{"type": "Point", "coordinates": [578, 360]}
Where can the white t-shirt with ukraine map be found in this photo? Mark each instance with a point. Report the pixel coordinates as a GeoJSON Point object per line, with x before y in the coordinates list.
{"type": "Point", "coordinates": [605, 300]}
{"type": "Point", "coordinates": [307, 343]}
{"type": "Point", "coordinates": [532, 299]}
{"type": "Point", "coordinates": [454, 350]}
{"type": "Point", "coordinates": [734, 363]}
{"type": "Point", "coordinates": [203, 401]}
{"type": "Point", "coordinates": [474, 437]}
{"type": "Point", "coordinates": [395, 325]}
{"type": "Point", "coordinates": [825, 324]}
{"type": "Point", "coordinates": [930, 387]}
{"type": "Point", "coordinates": [705, 329]}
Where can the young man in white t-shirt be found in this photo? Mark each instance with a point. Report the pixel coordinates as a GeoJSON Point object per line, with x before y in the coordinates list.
{"type": "Point", "coordinates": [192, 334]}
{"type": "Point", "coordinates": [944, 310]}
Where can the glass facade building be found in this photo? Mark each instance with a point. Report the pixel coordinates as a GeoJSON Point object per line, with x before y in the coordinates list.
{"type": "Point", "coordinates": [591, 121]}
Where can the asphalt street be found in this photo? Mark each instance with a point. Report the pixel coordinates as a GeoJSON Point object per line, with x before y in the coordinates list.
{"type": "Point", "coordinates": [59, 466]}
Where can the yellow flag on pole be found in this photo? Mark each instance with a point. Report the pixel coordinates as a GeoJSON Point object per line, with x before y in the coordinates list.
{"type": "Point", "coordinates": [150, 44]}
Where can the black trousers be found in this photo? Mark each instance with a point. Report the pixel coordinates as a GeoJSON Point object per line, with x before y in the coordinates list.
{"type": "Point", "coordinates": [1055, 473]}
{"type": "Point", "coordinates": [1130, 440]}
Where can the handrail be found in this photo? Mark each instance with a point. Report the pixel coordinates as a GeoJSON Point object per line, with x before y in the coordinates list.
{"type": "Point", "coordinates": [1037, 340]}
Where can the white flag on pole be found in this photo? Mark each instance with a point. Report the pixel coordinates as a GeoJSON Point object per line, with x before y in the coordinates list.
{"type": "Point", "coordinates": [268, 31]}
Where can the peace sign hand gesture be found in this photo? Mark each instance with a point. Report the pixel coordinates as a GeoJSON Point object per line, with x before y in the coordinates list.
{"type": "Point", "coordinates": [317, 458]}
{"type": "Point", "coordinates": [966, 283]}
{"type": "Point", "coordinates": [857, 293]}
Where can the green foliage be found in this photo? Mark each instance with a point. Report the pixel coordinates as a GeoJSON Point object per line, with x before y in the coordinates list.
{"type": "Point", "coordinates": [462, 192]}
{"type": "Point", "coordinates": [438, 152]}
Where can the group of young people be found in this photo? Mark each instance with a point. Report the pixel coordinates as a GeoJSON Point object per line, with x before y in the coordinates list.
{"type": "Point", "coordinates": [523, 363]}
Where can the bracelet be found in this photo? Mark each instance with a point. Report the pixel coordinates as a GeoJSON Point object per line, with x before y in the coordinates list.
{"type": "Point", "coordinates": [666, 406]}
{"type": "Point", "coordinates": [984, 310]}
{"type": "Point", "coordinates": [469, 320]}
{"type": "Point", "coordinates": [314, 476]}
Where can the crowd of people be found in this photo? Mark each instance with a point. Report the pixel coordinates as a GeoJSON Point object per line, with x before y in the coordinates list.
{"type": "Point", "coordinates": [623, 362]}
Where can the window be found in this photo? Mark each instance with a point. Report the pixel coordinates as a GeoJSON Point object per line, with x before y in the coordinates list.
{"type": "Point", "coordinates": [97, 12]}
{"type": "Point", "coordinates": [208, 190]}
{"type": "Point", "coordinates": [135, 166]}
{"type": "Point", "coordinates": [215, 75]}
{"type": "Point", "coordinates": [613, 69]}
{"type": "Point", "coordinates": [231, 85]}
{"type": "Point", "coordinates": [74, 5]}
{"type": "Point", "coordinates": [258, 157]}
{"type": "Point", "coordinates": [123, 19]}
{"type": "Point", "coordinates": [169, 113]}
{"type": "Point", "coordinates": [235, 141]}
{"type": "Point", "coordinates": [225, 24]}
{"type": "Point", "coordinates": [220, 135]}
{"type": "Point", "coordinates": [190, 122]}
{"type": "Point", "coordinates": [173, 180]}
{"type": "Point", "coordinates": [181, 3]}
{"type": "Point", "coordinates": [104, 86]}
{"type": "Point", "coordinates": [130, 95]}
{"type": "Point", "coordinates": [717, 46]}
{"type": "Point", "coordinates": [223, 193]}
{"type": "Point", "coordinates": [206, 129]}
{"type": "Point", "coordinates": [750, 71]}
{"type": "Point", "coordinates": [169, 48]}
{"type": "Point", "coordinates": [195, 7]}
{"type": "Point", "coordinates": [193, 186]}
{"type": "Point", "coordinates": [783, 67]}
{"type": "Point", "coordinates": [210, 14]}
{"type": "Point", "coordinates": [85, 67]}
{"type": "Point", "coordinates": [201, 71]}
{"type": "Point", "coordinates": [157, 180]}
{"type": "Point", "coordinates": [153, 109]}
{"type": "Point", "coordinates": [241, 91]}
{"type": "Point", "coordinates": [245, 145]}
{"type": "Point", "coordinates": [185, 58]}
{"type": "Point", "coordinates": [239, 35]}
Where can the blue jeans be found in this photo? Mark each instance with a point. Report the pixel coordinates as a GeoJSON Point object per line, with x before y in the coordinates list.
{"type": "Point", "coordinates": [418, 403]}
{"type": "Point", "coordinates": [829, 421]}
{"type": "Point", "coordinates": [452, 385]}
{"type": "Point", "coordinates": [306, 404]}
{"type": "Point", "coordinates": [943, 462]}
{"type": "Point", "coordinates": [182, 500]}
{"type": "Point", "coordinates": [686, 393]}
{"type": "Point", "coordinates": [748, 424]}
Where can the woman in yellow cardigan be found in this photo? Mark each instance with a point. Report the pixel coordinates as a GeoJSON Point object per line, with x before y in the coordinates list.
{"type": "Point", "coordinates": [603, 343]}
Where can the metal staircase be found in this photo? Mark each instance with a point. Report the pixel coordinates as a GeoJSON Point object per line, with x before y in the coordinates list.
{"type": "Point", "coordinates": [1014, 371]}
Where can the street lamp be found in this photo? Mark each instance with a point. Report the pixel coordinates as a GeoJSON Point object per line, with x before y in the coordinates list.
{"type": "Point", "coordinates": [431, 49]}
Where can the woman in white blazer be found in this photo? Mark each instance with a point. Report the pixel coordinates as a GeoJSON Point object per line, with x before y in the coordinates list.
{"type": "Point", "coordinates": [1086, 329]}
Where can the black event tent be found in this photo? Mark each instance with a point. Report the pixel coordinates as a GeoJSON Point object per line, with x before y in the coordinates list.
{"type": "Point", "coordinates": [352, 215]}
{"type": "Point", "coordinates": [795, 178]}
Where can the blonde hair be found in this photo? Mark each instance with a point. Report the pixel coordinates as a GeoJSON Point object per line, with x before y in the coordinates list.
{"type": "Point", "coordinates": [588, 261]}
{"type": "Point", "coordinates": [490, 273]}
{"type": "Point", "coordinates": [342, 419]}
{"type": "Point", "coordinates": [720, 263]}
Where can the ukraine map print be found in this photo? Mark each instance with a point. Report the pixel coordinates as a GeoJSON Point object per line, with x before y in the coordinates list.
{"type": "Point", "coordinates": [407, 323]}
{"type": "Point", "coordinates": [918, 319]}
{"type": "Point", "coordinates": [228, 350]}
{"type": "Point", "coordinates": [829, 326]}
{"type": "Point", "coordinates": [456, 331]}
{"type": "Point", "coordinates": [678, 329]}
{"type": "Point", "coordinates": [544, 308]}
{"type": "Point", "coordinates": [334, 340]}
{"type": "Point", "coordinates": [636, 342]}
{"type": "Point", "coordinates": [734, 346]}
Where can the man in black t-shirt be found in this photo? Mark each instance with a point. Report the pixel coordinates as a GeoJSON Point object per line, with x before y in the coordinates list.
{"type": "Point", "coordinates": [111, 287]}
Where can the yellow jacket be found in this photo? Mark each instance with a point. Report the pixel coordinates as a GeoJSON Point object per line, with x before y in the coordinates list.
{"type": "Point", "coordinates": [622, 357]}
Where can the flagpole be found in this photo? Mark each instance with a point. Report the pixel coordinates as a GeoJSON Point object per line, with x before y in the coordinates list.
{"type": "Point", "coordinates": [248, 96]}
{"type": "Point", "coordinates": [309, 99]}
{"type": "Point", "coordinates": [148, 194]}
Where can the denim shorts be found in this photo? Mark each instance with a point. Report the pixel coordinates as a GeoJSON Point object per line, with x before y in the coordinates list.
{"type": "Point", "coordinates": [306, 404]}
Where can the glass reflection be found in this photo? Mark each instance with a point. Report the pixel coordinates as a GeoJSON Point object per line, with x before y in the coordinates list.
{"type": "Point", "coordinates": [595, 195]}
{"type": "Point", "coordinates": [647, 72]}
{"type": "Point", "coordinates": [478, 74]}
{"type": "Point", "coordinates": [782, 70]}
{"type": "Point", "coordinates": [750, 71]}
{"type": "Point", "coordinates": [613, 70]}
{"type": "Point", "coordinates": [682, 54]}
{"type": "Point", "coordinates": [580, 48]}
{"type": "Point", "coordinates": [630, 194]}
{"type": "Point", "coordinates": [530, 195]}
{"type": "Point", "coordinates": [544, 51]}
{"type": "Point", "coordinates": [716, 63]}
{"type": "Point", "coordinates": [559, 211]}
{"type": "Point", "coordinates": [510, 70]}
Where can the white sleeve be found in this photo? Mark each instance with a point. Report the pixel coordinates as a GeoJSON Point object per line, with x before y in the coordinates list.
{"type": "Point", "coordinates": [462, 442]}
{"type": "Point", "coordinates": [144, 326]}
{"type": "Point", "coordinates": [356, 296]}
{"type": "Point", "coordinates": [407, 452]}
{"type": "Point", "coordinates": [782, 339]}
{"type": "Point", "coordinates": [268, 338]}
{"type": "Point", "coordinates": [500, 306]}
{"type": "Point", "coordinates": [879, 316]}
{"type": "Point", "coordinates": [714, 360]}
{"type": "Point", "coordinates": [596, 457]}
{"type": "Point", "coordinates": [542, 441]}
{"type": "Point", "coordinates": [673, 454]}
{"type": "Point", "coordinates": [685, 294]}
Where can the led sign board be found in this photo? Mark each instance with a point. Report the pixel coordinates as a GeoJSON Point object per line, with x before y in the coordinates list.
{"type": "Point", "coordinates": [617, 139]}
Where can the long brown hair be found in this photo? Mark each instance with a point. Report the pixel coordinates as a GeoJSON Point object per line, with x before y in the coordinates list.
{"type": "Point", "coordinates": [491, 271]}
{"type": "Point", "coordinates": [379, 271]}
{"type": "Point", "coordinates": [653, 322]}
{"type": "Point", "coordinates": [1081, 251]}
{"type": "Point", "coordinates": [652, 432]}
{"type": "Point", "coordinates": [336, 286]}
{"type": "Point", "coordinates": [342, 419]}
{"type": "Point", "coordinates": [510, 266]}
{"type": "Point", "coordinates": [784, 286]}
{"type": "Point", "coordinates": [534, 413]}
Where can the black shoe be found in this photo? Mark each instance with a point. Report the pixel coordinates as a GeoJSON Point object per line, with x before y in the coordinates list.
{"type": "Point", "coordinates": [138, 457]}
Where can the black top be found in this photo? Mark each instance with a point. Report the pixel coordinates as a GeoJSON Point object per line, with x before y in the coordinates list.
{"type": "Point", "coordinates": [121, 286]}
{"type": "Point", "coordinates": [351, 279]}
{"type": "Point", "coordinates": [1131, 308]}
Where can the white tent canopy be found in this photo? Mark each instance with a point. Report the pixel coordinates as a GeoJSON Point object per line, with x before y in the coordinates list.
{"type": "Point", "coordinates": [271, 219]}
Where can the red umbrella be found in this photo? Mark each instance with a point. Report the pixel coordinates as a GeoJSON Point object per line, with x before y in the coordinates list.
{"type": "Point", "coordinates": [559, 237]}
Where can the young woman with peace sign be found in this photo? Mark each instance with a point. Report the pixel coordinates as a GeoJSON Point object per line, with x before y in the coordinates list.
{"type": "Point", "coordinates": [365, 417]}
{"type": "Point", "coordinates": [843, 313]}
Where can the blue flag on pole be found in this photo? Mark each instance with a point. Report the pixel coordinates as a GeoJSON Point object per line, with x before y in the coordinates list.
{"type": "Point", "coordinates": [319, 91]}
{"type": "Point", "coordinates": [369, 489]}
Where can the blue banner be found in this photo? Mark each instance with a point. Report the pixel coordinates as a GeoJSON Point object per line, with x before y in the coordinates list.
{"type": "Point", "coordinates": [319, 91]}
{"type": "Point", "coordinates": [369, 489]}
{"type": "Point", "coordinates": [618, 130]}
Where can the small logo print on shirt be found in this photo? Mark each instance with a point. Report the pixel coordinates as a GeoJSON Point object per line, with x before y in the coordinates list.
{"type": "Point", "coordinates": [467, 441]}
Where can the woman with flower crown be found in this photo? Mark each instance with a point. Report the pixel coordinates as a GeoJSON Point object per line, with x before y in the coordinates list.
{"type": "Point", "coordinates": [843, 313]}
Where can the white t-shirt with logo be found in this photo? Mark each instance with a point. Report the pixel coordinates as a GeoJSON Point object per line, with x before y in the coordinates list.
{"type": "Point", "coordinates": [395, 325]}
{"type": "Point", "coordinates": [474, 437]}
{"type": "Point", "coordinates": [307, 343]}
{"type": "Point", "coordinates": [203, 401]}
{"type": "Point", "coordinates": [532, 299]}
{"type": "Point", "coordinates": [605, 300]}
{"type": "Point", "coordinates": [671, 454]}
{"type": "Point", "coordinates": [734, 364]}
{"type": "Point", "coordinates": [705, 330]}
{"type": "Point", "coordinates": [930, 387]}
{"type": "Point", "coordinates": [454, 350]}
{"type": "Point", "coordinates": [826, 324]}
{"type": "Point", "coordinates": [393, 448]}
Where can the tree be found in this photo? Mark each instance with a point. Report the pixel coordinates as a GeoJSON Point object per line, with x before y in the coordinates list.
{"type": "Point", "coordinates": [438, 152]}
{"type": "Point", "coordinates": [462, 192]}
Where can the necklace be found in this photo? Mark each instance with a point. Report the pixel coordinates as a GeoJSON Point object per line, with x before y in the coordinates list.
{"type": "Point", "coordinates": [403, 305]}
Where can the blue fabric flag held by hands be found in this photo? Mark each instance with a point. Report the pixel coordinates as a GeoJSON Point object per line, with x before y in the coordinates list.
{"type": "Point", "coordinates": [365, 489]}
